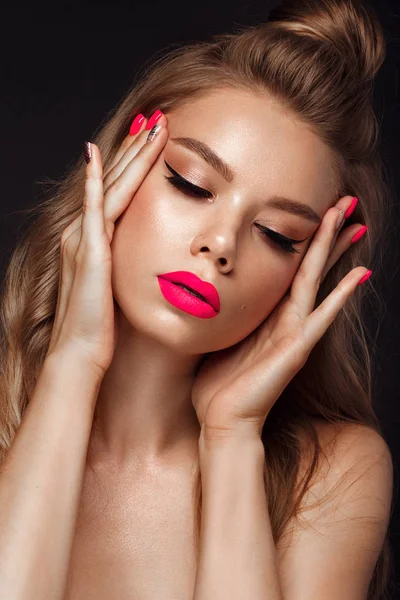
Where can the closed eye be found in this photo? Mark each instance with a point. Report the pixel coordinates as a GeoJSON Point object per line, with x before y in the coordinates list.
{"type": "Point", "coordinates": [284, 242]}
{"type": "Point", "coordinates": [182, 184]}
{"type": "Point", "coordinates": [185, 186]}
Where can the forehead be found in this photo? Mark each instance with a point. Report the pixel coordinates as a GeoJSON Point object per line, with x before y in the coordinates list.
{"type": "Point", "coordinates": [266, 146]}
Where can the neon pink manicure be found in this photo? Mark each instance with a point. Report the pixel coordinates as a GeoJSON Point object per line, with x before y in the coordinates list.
{"type": "Point", "coordinates": [136, 124]}
{"type": "Point", "coordinates": [365, 277]}
{"type": "Point", "coordinates": [154, 118]}
{"type": "Point", "coordinates": [351, 208]}
{"type": "Point", "coordinates": [359, 234]}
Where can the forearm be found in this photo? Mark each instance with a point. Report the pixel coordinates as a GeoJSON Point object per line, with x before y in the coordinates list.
{"type": "Point", "coordinates": [41, 479]}
{"type": "Point", "coordinates": [237, 553]}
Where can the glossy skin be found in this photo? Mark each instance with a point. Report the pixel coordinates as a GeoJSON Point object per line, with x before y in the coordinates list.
{"type": "Point", "coordinates": [144, 445]}
{"type": "Point", "coordinates": [147, 418]}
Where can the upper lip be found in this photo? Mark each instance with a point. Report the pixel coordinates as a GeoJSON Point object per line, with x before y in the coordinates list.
{"type": "Point", "coordinates": [190, 280]}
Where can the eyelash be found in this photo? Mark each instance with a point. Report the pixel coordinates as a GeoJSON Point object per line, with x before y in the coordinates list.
{"type": "Point", "coordinates": [195, 191]}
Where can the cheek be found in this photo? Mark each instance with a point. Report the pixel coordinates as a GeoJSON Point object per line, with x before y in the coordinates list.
{"type": "Point", "coordinates": [156, 218]}
{"type": "Point", "coordinates": [262, 289]}
{"type": "Point", "coordinates": [257, 291]}
{"type": "Point", "coordinates": [148, 238]}
{"type": "Point", "coordinates": [144, 225]}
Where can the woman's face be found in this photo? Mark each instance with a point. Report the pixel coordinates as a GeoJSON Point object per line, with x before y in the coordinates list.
{"type": "Point", "coordinates": [219, 237]}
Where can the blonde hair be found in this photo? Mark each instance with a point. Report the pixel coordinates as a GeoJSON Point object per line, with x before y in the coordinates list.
{"type": "Point", "coordinates": [318, 58]}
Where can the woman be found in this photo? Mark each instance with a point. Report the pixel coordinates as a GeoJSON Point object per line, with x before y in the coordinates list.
{"type": "Point", "coordinates": [184, 321]}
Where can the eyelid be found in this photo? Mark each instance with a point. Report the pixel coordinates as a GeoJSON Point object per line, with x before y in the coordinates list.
{"type": "Point", "coordinates": [266, 229]}
{"type": "Point", "coordinates": [197, 187]}
{"type": "Point", "coordinates": [287, 239]}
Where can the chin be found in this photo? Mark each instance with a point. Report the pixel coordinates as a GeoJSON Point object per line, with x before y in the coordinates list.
{"type": "Point", "coordinates": [168, 326]}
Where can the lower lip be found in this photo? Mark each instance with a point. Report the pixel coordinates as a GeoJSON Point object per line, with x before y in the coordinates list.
{"type": "Point", "coordinates": [185, 301]}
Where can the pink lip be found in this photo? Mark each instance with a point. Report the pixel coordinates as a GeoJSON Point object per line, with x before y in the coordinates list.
{"type": "Point", "coordinates": [184, 299]}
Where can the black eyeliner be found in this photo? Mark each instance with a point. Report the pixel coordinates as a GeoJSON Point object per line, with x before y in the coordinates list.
{"type": "Point", "coordinates": [285, 242]}
{"type": "Point", "coordinates": [279, 236]}
{"type": "Point", "coordinates": [171, 169]}
{"type": "Point", "coordinates": [185, 183]}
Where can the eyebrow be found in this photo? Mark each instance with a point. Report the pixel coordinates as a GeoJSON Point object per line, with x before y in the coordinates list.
{"type": "Point", "coordinates": [280, 202]}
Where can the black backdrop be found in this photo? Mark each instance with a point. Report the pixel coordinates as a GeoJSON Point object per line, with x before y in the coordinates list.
{"type": "Point", "coordinates": [65, 67]}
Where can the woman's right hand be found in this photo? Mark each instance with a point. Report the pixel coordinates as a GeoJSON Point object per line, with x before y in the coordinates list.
{"type": "Point", "coordinates": [85, 321]}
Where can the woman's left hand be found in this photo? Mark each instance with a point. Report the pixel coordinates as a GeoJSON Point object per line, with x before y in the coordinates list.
{"type": "Point", "coordinates": [236, 388]}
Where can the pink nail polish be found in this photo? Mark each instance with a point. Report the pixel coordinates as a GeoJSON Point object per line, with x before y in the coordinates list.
{"type": "Point", "coordinates": [359, 234]}
{"type": "Point", "coordinates": [351, 208]}
{"type": "Point", "coordinates": [154, 118]}
{"type": "Point", "coordinates": [365, 277]}
{"type": "Point", "coordinates": [136, 124]}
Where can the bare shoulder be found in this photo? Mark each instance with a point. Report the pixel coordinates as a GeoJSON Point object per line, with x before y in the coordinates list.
{"type": "Point", "coordinates": [343, 516]}
{"type": "Point", "coordinates": [355, 455]}
{"type": "Point", "coordinates": [354, 447]}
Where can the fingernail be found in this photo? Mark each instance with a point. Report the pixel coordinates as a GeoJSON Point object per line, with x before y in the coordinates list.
{"type": "Point", "coordinates": [340, 219]}
{"type": "Point", "coordinates": [87, 151]}
{"type": "Point", "coordinates": [154, 118]}
{"type": "Point", "coordinates": [359, 234]}
{"type": "Point", "coordinates": [365, 277]}
{"type": "Point", "coordinates": [136, 124]}
{"type": "Point", "coordinates": [153, 132]}
{"type": "Point", "coordinates": [351, 208]}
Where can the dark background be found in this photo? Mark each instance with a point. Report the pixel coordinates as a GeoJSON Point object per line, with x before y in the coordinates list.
{"type": "Point", "coordinates": [64, 68]}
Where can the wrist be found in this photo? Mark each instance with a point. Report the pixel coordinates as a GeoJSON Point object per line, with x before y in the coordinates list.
{"type": "Point", "coordinates": [66, 365]}
{"type": "Point", "coordinates": [213, 439]}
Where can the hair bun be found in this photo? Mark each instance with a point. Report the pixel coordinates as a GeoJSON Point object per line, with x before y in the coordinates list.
{"type": "Point", "coordinates": [351, 27]}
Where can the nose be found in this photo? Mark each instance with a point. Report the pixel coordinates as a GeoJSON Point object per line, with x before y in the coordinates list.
{"type": "Point", "coordinates": [220, 243]}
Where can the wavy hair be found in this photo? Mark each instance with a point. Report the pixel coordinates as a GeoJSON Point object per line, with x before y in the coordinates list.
{"type": "Point", "coordinates": [319, 59]}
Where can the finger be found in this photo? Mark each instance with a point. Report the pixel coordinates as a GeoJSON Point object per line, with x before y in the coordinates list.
{"type": "Point", "coordinates": [129, 148]}
{"type": "Point", "coordinates": [126, 143]}
{"type": "Point", "coordinates": [305, 286]}
{"type": "Point", "coordinates": [72, 237]}
{"type": "Point", "coordinates": [306, 282]}
{"type": "Point", "coordinates": [93, 225]}
{"type": "Point", "coordinates": [323, 316]}
{"type": "Point", "coordinates": [120, 193]}
{"type": "Point", "coordinates": [342, 244]}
